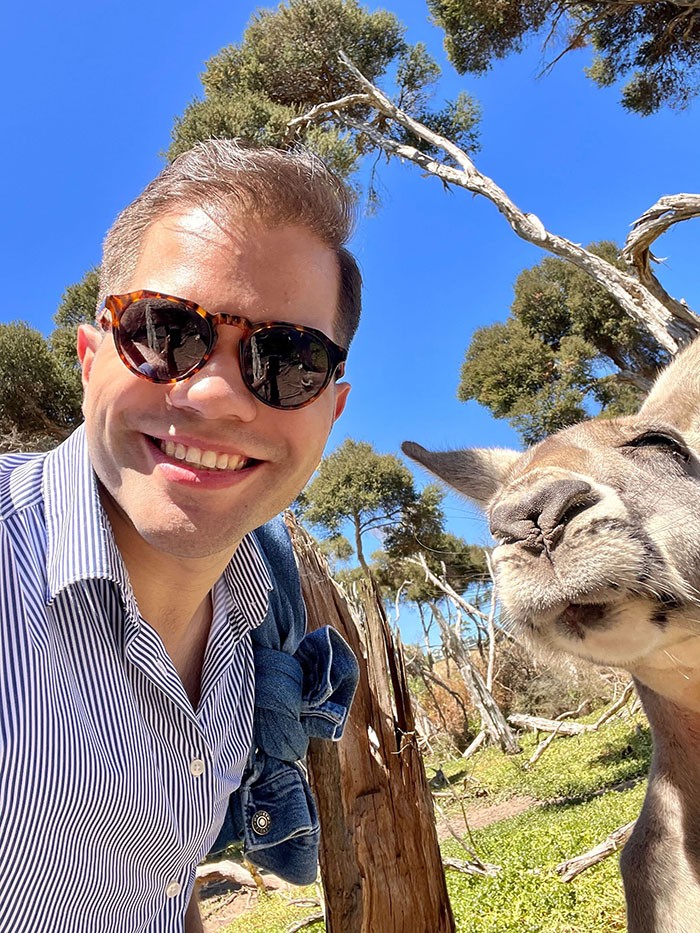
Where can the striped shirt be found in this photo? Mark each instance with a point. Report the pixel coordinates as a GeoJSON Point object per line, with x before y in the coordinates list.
{"type": "Point", "coordinates": [112, 787]}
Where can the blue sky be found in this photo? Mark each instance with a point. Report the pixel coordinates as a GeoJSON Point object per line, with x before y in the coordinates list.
{"type": "Point", "coordinates": [91, 92]}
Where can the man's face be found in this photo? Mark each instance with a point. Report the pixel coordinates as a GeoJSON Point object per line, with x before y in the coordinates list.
{"type": "Point", "coordinates": [244, 268]}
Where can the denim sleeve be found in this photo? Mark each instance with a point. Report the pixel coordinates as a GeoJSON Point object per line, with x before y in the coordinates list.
{"type": "Point", "coordinates": [304, 686]}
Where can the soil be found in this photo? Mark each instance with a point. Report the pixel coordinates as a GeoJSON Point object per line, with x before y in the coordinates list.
{"type": "Point", "coordinates": [222, 902]}
{"type": "Point", "coordinates": [480, 814]}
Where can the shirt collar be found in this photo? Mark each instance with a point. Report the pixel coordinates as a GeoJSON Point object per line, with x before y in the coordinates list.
{"type": "Point", "coordinates": [248, 581]}
{"type": "Point", "coordinates": [79, 539]}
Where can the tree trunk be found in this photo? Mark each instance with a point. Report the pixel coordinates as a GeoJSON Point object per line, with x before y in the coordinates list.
{"type": "Point", "coordinates": [380, 859]}
{"type": "Point", "coordinates": [358, 545]}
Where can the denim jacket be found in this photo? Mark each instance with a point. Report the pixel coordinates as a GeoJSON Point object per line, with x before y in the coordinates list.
{"type": "Point", "coordinates": [304, 685]}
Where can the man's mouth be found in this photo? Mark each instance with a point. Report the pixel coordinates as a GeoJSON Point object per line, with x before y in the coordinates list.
{"type": "Point", "coordinates": [204, 459]}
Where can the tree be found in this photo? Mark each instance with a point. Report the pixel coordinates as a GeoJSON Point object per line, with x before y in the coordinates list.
{"type": "Point", "coordinates": [39, 403]}
{"type": "Point", "coordinates": [42, 389]}
{"type": "Point", "coordinates": [288, 63]}
{"type": "Point", "coordinates": [358, 485]}
{"type": "Point", "coordinates": [653, 46]}
{"type": "Point", "coordinates": [78, 303]}
{"type": "Point", "coordinates": [565, 352]}
{"type": "Point", "coordinates": [422, 530]}
{"type": "Point", "coordinates": [77, 306]}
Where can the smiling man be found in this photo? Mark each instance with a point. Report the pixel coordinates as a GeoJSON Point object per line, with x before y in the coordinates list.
{"type": "Point", "coordinates": [136, 578]}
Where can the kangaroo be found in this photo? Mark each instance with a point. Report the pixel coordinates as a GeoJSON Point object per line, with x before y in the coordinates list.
{"type": "Point", "coordinates": [597, 553]}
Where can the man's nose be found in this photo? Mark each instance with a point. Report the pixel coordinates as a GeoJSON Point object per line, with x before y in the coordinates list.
{"type": "Point", "coordinates": [217, 390]}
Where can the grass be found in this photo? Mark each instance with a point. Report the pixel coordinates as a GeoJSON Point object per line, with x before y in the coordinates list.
{"type": "Point", "coordinates": [527, 895]}
{"type": "Point", "coordinates": [587, 786]}
{"type": "Point", "coordinates": [274, 914]}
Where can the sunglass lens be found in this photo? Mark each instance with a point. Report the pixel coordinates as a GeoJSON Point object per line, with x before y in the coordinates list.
{"type": "Point", "coordinates": [163, 340]}
{"type": "Point", "coordinates": [285, 367]}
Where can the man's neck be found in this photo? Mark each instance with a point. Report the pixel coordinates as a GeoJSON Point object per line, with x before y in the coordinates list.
{"type": "Point", "coordinates": [173, 594]}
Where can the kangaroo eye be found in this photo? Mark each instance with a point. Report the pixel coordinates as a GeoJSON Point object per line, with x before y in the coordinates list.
{"type": "Point", "coordinates": [662, 442]}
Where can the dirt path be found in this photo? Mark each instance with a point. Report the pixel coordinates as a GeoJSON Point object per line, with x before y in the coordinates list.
{"type": "Point", "coordinates": [481, 814]}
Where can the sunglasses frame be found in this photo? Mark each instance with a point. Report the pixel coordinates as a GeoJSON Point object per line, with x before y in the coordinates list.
{"type": "Point", "coordinates": [110, 311]}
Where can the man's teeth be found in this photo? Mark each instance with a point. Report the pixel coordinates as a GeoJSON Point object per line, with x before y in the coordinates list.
{"type": "Point", "coordinates": [208, 459]}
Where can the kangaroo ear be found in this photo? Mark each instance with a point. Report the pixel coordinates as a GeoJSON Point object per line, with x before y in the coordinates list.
{"type": "Point", "coordinates": [477, 473]}
{"type": "Point", "coordinates": [675, 396]}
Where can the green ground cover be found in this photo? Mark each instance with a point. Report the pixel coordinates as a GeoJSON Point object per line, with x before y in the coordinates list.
{"type": "Point", "coordinates": [586, 786]}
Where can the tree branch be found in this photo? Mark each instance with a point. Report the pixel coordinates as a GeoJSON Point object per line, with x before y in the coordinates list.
{"type": "Point", "coordinates": [320, 110]}
{"type": "Point", "coordinates": [636, 252]}
{"type": "Point", "coordinates": [671, 327]}
{"type": "Point", "coordinates": [633, 379]}
{"type": "Point", "coordinates": [445, 587]}
{"type": "Point", "coordinates": [613, 843]}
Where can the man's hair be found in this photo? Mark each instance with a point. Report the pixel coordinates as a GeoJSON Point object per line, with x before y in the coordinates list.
{"type": "Point", "coordinates": [230, 177]}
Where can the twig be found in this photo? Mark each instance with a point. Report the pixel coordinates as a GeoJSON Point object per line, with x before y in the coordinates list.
{"type": "Point", "coordinates": [491, 626]}
{"type": "Point", "coordinates": [617, 705]}
{"type": "Point", "coordinates": [543, 746]}
{"type": "Point", "coordinates": [308, 922]}
{"type": "Point", "coordinates": [471, 868]}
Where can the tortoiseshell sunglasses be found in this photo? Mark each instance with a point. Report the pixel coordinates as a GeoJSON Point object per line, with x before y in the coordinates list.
{"type": "Point", "coordinates": [165, 339]}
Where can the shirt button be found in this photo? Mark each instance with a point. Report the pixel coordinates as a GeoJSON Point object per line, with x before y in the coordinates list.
{"type": "Point", "coordinates": [197, 767]}
{"type": "Point", "coordinates": [173, 889]}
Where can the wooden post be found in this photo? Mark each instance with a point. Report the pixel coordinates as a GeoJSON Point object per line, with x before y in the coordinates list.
{"type": "Point", "coordinates": [380, 860]}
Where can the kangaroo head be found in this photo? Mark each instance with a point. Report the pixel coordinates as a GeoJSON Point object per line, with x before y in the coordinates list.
{"type": "Point", "coordinates": [597, 532]}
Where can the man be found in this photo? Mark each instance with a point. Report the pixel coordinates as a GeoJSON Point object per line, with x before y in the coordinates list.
{"type": "Point", "coordinates": [131, 585]}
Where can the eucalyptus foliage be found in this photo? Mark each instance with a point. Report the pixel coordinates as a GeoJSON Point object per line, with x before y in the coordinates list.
{"type": "Point", "coordinates": [356, 484]}
{"type": "Point", "coordinates": [40, 401]}
{"type": "Point", "coordinates": [566, 351]}
{"type": "Point", "coordinates": [287, 63]}
{"type": "Point", "coordinates": [375, 492]}
{"type": "Point", "coordinates": [653, 47]}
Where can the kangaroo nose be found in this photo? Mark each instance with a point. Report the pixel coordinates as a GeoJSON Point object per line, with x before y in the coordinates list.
{"type": "Point", "coordinates": [538, 517]}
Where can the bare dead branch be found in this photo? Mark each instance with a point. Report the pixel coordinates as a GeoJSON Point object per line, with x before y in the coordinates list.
{"type": "Point", "coordinates": [491, 626]}
{"type": "Point", "coordinates": [309, 921]}
{"type": "Point", "coordinates": [617, 705]}
{"type": "Point", "coordinates": [670, 326]}
{"type": "Point", "coordinates": [543, 746]}
{"type": "Point", "coordinates": [445, 587]}
{"type": "Point", "coordinates": [667, 211]}
{"type": "Point", "coordinates": [230, 871]}
{"type": "Point", "coordinates": [333, 106]}
{"type": "Point", "coordinates": [613, 843]}
{"type": "Point", "coordinates": [540, 724]}
{"type": "Point", "coordinates": [471, 868]}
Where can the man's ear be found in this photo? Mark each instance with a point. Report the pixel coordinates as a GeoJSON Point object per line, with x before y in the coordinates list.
{"type": "Point", "coordinates": [88, 340]}
{"type": "Point", "coordinates": [342, 390]}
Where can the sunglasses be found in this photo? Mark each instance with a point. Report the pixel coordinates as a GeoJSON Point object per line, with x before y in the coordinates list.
{"type": "Point", "coordinates": [165, 339]}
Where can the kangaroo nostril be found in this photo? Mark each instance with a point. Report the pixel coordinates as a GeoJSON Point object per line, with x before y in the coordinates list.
{"type": "Point", "coordinates": [537, 513]}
